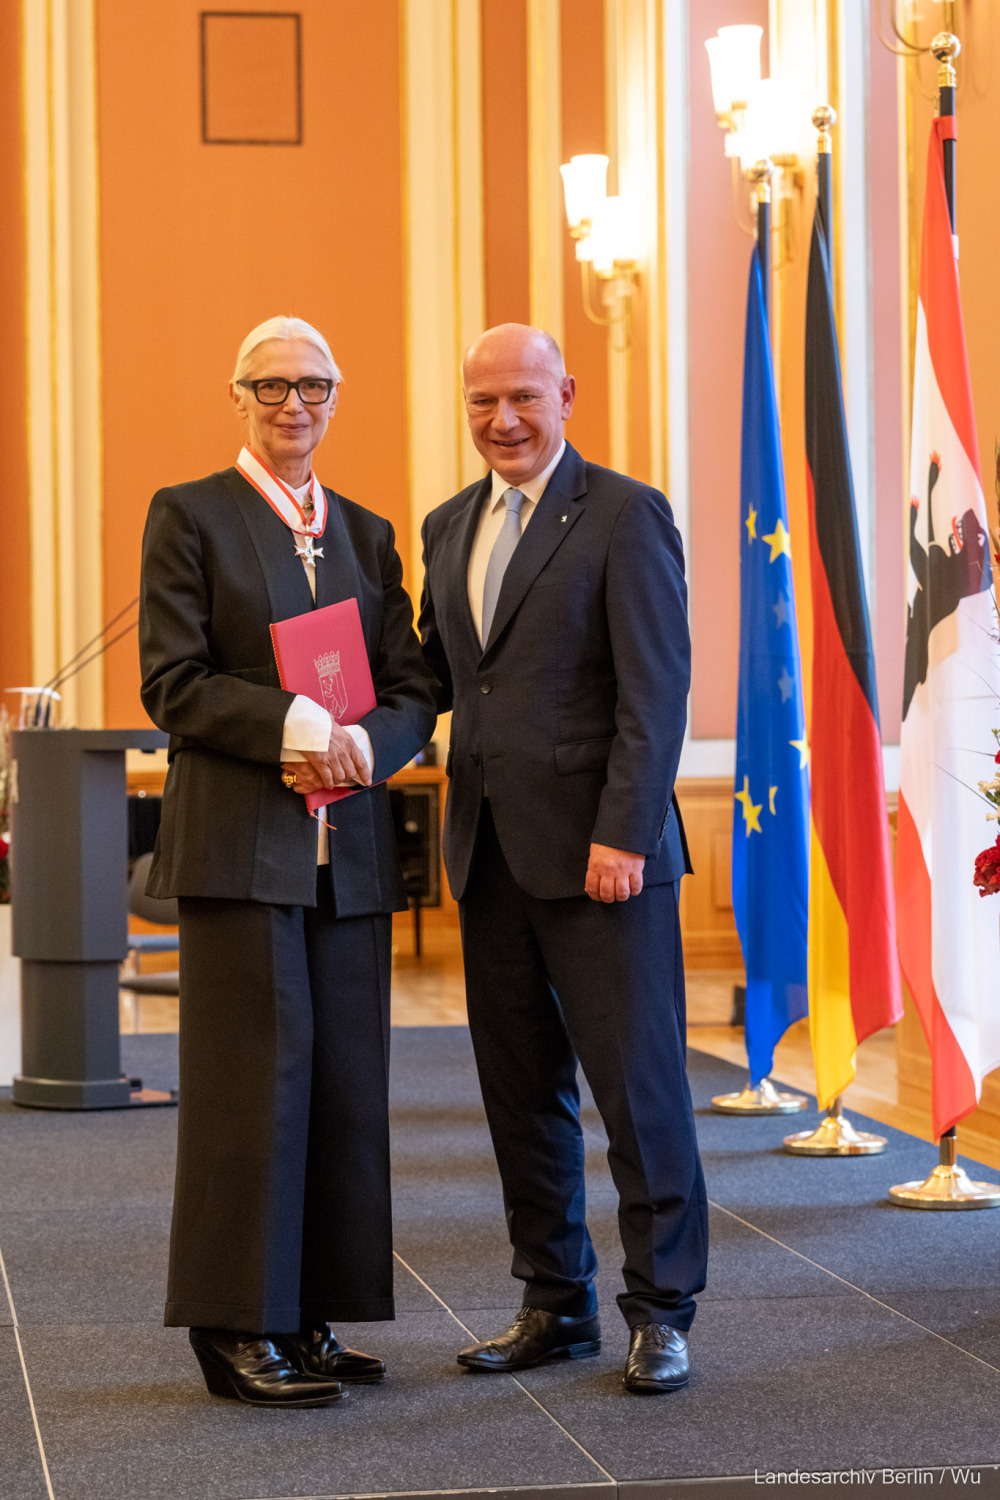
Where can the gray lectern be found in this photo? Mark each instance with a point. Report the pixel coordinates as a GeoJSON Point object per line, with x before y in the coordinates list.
{"type": "Point", "coordinates": [70, 914]}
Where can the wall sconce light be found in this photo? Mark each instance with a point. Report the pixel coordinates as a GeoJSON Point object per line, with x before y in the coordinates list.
{"type": "Point", "coordinates": [608, 243]}
{"type": "Point", "coordinates": [771, 125]}
{"type": "Point", "coordinates": [585, 189]}
{"type": "Point", "coordinates": [762, 119]}
{"type": "Point", "coordinates": [734, 58]}
{"type": "Point", "coordinates": [614, 239]}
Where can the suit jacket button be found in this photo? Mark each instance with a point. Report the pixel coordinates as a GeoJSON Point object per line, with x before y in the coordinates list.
{"type": "Point", "coordinates": [475, 758]}
{"type": "Point", "coordinates": [486, 688]}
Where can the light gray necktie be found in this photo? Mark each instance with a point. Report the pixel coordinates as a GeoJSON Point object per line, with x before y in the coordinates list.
{"type": "Point", "coordinates": [503, 551]}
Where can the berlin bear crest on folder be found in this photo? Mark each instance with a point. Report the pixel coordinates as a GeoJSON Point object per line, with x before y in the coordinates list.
{"type": "Point", "coordinates": [322, 655]}
{"type": "Point", "coordinates": [331, 684]}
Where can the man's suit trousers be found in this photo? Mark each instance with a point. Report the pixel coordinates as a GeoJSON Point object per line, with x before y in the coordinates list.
{"type": "Point", "coordinates": [282, 1209]}
{"type": "Point", "coordinates": [552, 981]}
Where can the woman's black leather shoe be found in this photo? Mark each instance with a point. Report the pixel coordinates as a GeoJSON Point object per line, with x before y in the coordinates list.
{"type": "Point", "coordinates": [249, 1367]}
{"type": "Point", "coordinates": [320, 1353]}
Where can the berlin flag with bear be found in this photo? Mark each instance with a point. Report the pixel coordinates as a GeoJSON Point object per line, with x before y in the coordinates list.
{"type": "Point", "coordinates": [949, 947]}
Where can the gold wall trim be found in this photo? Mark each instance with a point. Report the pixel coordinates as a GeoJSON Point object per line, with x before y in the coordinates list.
{"type": "Point", "coordinates": [658, 298]}
{"type": "Point", "coordinates": [64, 370]}
{"type": "Point", "coordinates": [673, 51]}
{"type": "Point", "coordinates": [639, 116]}
{"type": "Point", "coordinates": [615, 91]}
{"type": "Point", "coordinates": [443, 244]}
{"type": "Point", "coordinates": [467, 156]}
{"type": "Point", "coordinates": [545, 210]}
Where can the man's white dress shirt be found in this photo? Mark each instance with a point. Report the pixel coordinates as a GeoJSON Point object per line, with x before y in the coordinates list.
{"type": "Point", "coordinates": [490, 522]}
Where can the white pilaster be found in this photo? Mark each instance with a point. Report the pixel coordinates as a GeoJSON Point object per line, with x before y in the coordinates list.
{"type": "Point", "coordinates": [545, 208]}
{"type": "Point", "coordinates": [64, 369]}
{"type": "Point", "coordinates": [443, 241]}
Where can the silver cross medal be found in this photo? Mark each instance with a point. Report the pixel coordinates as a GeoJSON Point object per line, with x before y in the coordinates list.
{"type": "Point", "coordinates": [307, 551]}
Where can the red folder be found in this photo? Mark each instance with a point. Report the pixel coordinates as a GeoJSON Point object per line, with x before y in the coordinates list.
{"type": "Point", "coordinates": [322, 655]}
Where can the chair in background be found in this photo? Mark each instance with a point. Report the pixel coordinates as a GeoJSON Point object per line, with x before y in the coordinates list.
{"type": "Point", "coordinates": [153, 910]}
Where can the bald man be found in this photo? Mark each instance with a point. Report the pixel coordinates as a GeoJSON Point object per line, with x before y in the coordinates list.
{"type": "Point", "coordinates": [554, 618]}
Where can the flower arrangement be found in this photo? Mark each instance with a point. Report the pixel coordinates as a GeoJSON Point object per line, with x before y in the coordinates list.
{"type": "Point", "coordinates": [5, 800]}
{"type": "Point", "coordinates": [987, 872]}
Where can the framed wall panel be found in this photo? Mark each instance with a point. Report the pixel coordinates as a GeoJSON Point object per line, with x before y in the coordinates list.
{"type": "Point", "coordinates": [251, 78]}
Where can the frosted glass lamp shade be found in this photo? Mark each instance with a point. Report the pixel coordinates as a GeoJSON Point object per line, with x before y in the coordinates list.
{"type": "Point", "coordinates": [616, 235]}
{"type": "Point", "coordinates": [584, 187]}
{"type": "Point", "coordinates": [734, 58]}
{"type": "Point", "coordinates": [772, 125]}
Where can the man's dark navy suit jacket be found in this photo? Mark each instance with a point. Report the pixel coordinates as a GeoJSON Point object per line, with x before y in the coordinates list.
{"type": "Point", "coordinates": [572, 717]}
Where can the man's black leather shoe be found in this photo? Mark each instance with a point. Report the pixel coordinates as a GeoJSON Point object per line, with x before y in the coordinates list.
{"type": "Point", "coordinates": [250, 1367]}
{"type": "Point", "coordinates": [532, 1338]}
{"type": "Point", "coordinates": [657, 1359]}
{"type": "Point", "coordinates": [319, 1353]}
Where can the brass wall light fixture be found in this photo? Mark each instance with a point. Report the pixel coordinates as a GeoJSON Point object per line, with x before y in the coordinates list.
{"type": "Point", "coordinates": [608, 237]}
{"type": "Point", "coordinates": [734, 58]}
{"type": "Point", "coordinates": [763, 119]}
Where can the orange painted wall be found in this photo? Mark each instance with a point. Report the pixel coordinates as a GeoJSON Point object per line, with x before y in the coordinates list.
{"type": "Point", "coordinates": [718, 266]}
{"type": "Point", "coordinates": [15, 561]}
{"type": "Point", "coordinates": [504, 41]}
{"type": "Point", "coordinates": [201, 242]}
{"type": "Point", "coordinates": [584, 131]}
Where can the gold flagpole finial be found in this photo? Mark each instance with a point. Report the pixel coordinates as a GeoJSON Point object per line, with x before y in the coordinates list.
{"type": "Point", "coordinates": [824, 118]}
{"type": "Point", "coordinates": [760, 175]}
{"type": "Point", "coordinates": [946, 48]}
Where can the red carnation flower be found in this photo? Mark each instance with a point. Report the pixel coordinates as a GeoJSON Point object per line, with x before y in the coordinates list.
{"type": "Point", "coordinates": [987, 873]}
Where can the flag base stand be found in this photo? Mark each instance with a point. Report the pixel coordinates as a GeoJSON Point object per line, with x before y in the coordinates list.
{"type": "Point", "coordinates": [835, 1136]}
{"type": "Point", "coordinates": [948, 1186]}
{"type": "Point", "coordinates": [762, 1100]}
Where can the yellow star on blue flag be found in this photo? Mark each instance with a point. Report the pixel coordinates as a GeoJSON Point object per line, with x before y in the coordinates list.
{"type": "Point", "coordinates": [780, 541]}
{"type": "Point", "coordinates": [751, 812]}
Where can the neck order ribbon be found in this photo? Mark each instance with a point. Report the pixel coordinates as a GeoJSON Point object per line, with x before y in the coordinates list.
{"type": "Point", "coordinates": [280, 498]}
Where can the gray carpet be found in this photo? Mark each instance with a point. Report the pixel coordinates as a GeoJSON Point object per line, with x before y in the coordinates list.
{"type": "Point", "coordinates": [836, 1333]}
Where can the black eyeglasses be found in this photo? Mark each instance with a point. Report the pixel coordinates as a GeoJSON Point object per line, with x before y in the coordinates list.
{"type": "Point", "coordinates": [310, 389]}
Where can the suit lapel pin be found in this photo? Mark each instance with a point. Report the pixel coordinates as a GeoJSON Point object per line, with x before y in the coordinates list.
{"type": "Point", "coordinates": [562, 518]}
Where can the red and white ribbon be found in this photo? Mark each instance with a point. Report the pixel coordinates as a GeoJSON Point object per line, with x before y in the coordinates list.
{"type": "Point", "coordinates": [281, 499]}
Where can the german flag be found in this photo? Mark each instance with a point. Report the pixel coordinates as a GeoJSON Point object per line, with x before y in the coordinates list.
{"type": "Point", "coordinates": [854, 986]}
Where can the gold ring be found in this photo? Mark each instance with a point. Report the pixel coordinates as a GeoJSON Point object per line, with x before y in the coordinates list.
{"type": "Point", "coordinates": [289, 778]}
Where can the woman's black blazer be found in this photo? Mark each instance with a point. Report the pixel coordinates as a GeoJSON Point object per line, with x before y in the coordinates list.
{"type": "Point", "coordinates": [218, 566]}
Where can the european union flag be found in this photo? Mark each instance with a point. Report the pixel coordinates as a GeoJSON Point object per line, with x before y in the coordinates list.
{"type": "Point", "coordinates": [771, 816]}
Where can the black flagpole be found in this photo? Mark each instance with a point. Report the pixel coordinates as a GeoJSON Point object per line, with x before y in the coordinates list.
{"type": "Point", "coordinates": [761, 174]}
{"type": "Point", "coordinates": [824, 118]}
{"type": "Point", "coordinates": [946, 48]}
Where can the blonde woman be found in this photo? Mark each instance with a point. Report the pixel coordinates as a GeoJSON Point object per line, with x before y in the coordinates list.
{"type": "Point", "coordinates": [281, 1226]}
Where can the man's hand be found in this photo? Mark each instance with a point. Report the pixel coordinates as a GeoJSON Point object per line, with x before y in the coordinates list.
{"type": "Point", "coordinates": [613, 874]}
{"type": "Point", "coordinates": [342, 761]}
